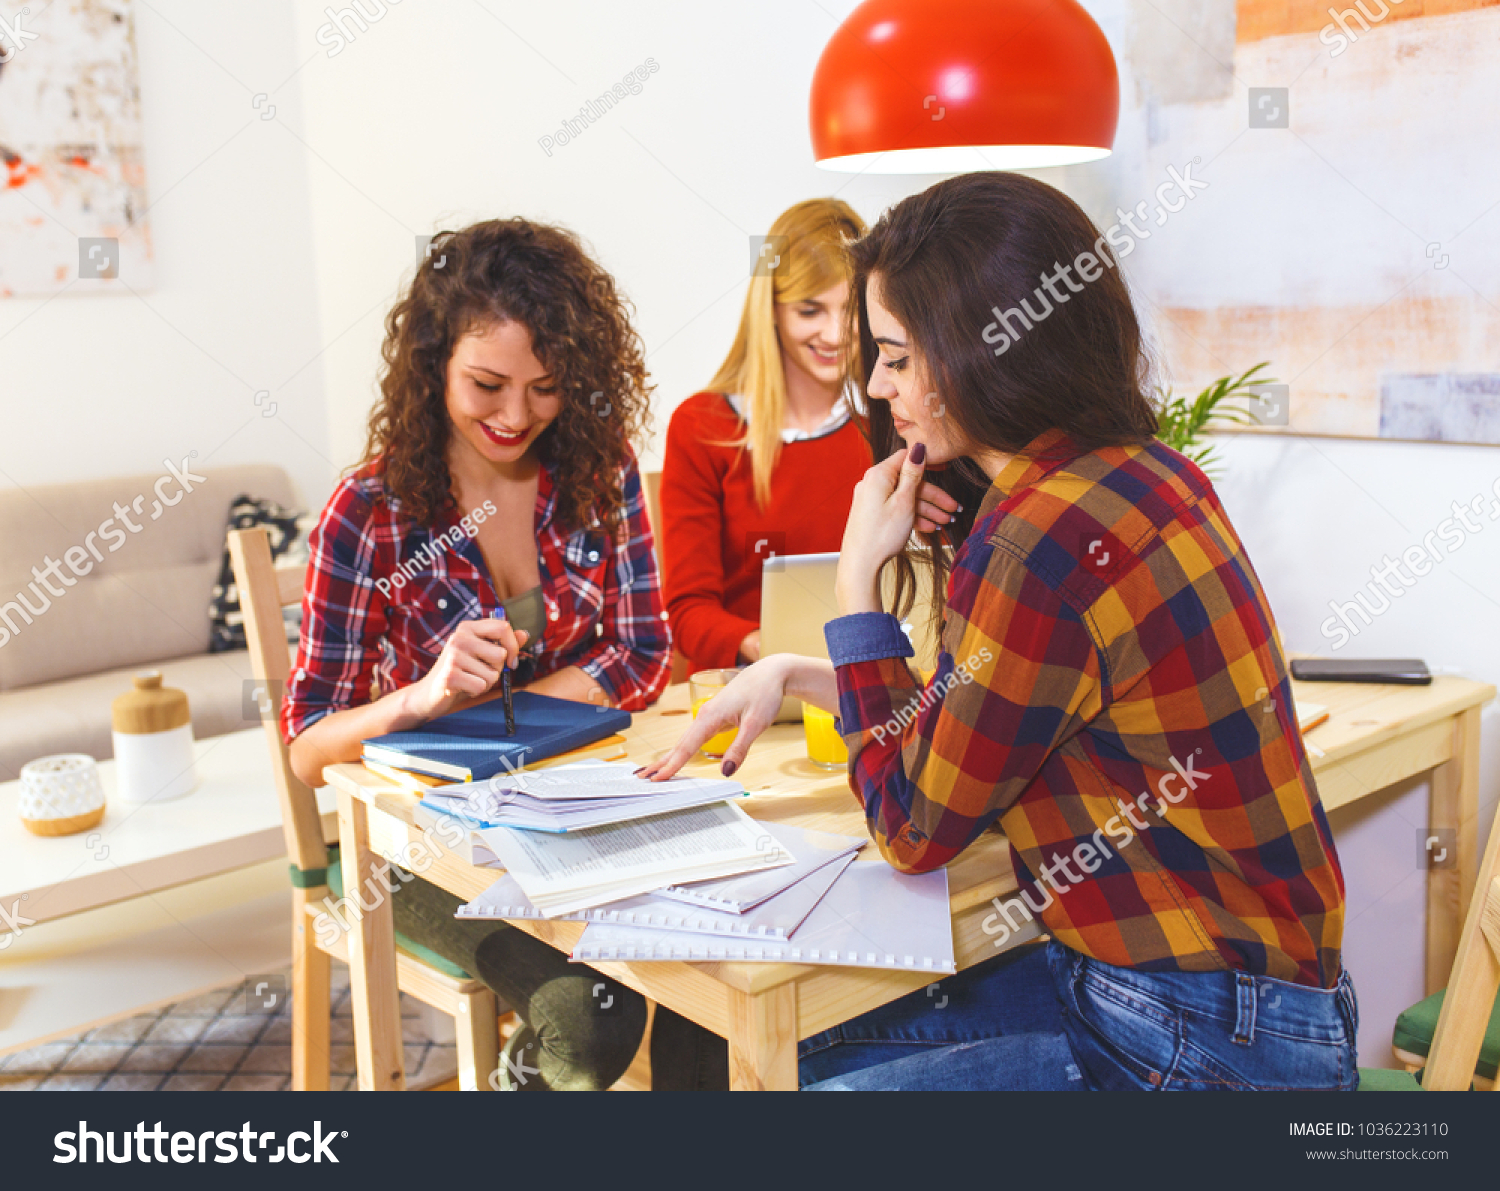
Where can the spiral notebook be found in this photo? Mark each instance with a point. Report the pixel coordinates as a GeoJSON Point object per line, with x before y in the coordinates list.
{"type": "Point", "coordinates": [872, 917]}
{"type": "Point", "coordinates": [775, 918]}
{"type": "Point", "coordinates": [811, 851]}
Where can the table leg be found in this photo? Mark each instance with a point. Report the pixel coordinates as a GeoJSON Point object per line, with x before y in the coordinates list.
{"type": "Point", "coordinates": [763, 1040]}
{"type": "Point", "coordinates": [373, 992]}
{"type": "Point", "coordinates": [1453, 815]}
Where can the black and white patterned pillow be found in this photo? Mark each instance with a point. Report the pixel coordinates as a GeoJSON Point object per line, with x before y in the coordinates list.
{"type": "Point", "coordinates": [288, 544]}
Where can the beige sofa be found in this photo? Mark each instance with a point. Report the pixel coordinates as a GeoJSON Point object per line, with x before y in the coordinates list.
{"type": "Point", "coordinates": [143, 603]}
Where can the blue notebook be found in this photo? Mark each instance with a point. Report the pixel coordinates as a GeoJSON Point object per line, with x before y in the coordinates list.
{"type": "Point", "coordinates": [471, 745]}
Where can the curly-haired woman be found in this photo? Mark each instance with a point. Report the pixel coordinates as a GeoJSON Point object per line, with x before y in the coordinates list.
{"type": "Point", "coordinates": [496, 521]}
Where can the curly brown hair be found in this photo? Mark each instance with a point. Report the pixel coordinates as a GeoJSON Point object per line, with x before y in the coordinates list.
{"type": "Point", "coordinates": [512, 270]}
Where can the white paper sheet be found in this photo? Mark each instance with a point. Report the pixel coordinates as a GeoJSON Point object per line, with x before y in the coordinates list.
{"type": "Point", "coordinates": [873, 917]}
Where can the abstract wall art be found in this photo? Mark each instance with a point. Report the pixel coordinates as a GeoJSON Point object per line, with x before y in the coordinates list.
{"type": "Point", "coordinates": [73, 192]}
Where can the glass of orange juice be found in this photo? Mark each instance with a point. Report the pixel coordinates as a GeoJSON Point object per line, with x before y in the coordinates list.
{"type": "Point", "coordinates": [703, 686]}
{"type": "Point", "coordinates": [825, 747]}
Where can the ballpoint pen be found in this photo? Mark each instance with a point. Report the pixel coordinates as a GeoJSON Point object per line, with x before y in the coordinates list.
{"type": "Point", "coordinates": [510, 706]}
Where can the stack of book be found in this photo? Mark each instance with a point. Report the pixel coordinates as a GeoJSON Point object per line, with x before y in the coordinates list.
{"type": "Point", "coordinates": [472, 744]}
{"type": "Point", "coordinates": [572, 797]}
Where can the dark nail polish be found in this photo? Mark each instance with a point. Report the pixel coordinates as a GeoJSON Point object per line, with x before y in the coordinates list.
{"type": "Point", "coordinates": [919, 453]}
{"type": "Point", "coordinates": [639, 771]}
{"type": "Point", "coordinates": [728, 768]}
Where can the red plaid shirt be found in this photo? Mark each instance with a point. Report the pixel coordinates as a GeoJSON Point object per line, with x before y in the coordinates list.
{"type": "Point", "coordinates": [371, 624]}
{"type": "Point", "coordinates": [1111, 691]}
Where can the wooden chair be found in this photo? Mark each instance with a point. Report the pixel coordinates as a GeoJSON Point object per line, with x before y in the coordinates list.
{"type": "Point", "coordinates": [1469, 1002]}
{"type": "Point", "coordinates": [264, 590]}
{"type": "Point", "coordinates": [651, 485]}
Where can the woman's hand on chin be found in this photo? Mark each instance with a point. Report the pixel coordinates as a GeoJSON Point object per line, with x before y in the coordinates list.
{"type": "Point", "coordinates": [890, 502]}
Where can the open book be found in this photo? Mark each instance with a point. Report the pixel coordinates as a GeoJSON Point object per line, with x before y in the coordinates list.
{"type": "Point", "coordinates": [563, 873]}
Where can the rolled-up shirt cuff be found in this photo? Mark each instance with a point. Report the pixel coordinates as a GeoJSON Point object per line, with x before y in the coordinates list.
{"type": "Point", "coordinates": [866, 637]}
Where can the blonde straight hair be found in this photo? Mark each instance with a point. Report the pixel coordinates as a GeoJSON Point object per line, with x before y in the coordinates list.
{"type": "Point", "coordinates": [812, 259]}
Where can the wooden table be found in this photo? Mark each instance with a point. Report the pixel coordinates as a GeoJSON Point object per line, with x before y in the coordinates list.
{"type": "Point", "coordinates": [231, 821]}
{"type": "Point", "coordinates": [1375, 736]}
{"type": "Point", "coordinates": [1378, 735]}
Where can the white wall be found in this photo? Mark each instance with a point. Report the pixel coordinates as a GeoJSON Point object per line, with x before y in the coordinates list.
{"type": "Point", "coordinates": [98, 385]}
{"type": "Point", "coordinates": [432, 119]}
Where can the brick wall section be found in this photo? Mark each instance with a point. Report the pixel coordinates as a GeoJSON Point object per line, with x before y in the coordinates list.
{"type": "Point", "coordinates": [1257, 19]}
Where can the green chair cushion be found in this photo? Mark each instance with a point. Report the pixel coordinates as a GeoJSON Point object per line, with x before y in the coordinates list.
{"type": "Point", "coordinates": [1377, 1079]}
{"type": "Point", "coordinates": [428, 956]}
{"type": "Point", "coordinates": [1415, 1028]}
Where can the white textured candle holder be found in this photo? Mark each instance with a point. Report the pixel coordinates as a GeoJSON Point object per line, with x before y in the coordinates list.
{"type": "Point", "coordinates": [61, 795]}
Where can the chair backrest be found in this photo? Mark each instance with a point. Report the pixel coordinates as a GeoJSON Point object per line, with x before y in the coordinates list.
{"type": "Point", "coordinates": [651, 487]}
{"type": "Point", "coordinates": [264, 590]}
{"type": "Point", "coordinates": [1474, 984]}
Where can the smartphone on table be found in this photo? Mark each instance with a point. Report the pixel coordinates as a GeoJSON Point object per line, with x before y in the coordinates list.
{"type": "Point", "coordinates": [1402, 671]}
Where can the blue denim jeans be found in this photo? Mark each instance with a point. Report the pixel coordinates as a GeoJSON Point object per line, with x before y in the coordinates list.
{"type": "Point", "coordinates": [997, 1026]}
{"type": "Point", "coordinates": [1046, 1018]}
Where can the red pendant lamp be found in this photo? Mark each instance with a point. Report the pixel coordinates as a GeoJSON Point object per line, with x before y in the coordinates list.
{"type": "Point", "coordinates": [946, 86]}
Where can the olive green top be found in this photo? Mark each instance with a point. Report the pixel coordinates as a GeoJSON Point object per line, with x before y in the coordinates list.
{"type": "Point", "coordinates": [527, 611]}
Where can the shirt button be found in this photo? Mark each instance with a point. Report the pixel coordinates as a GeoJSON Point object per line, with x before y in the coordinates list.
{"type": "Point", "coordinates": [593, 556]}
{"type": "Point", "coordinates": [554, 614]}
{"type": "Point", "coordinates": [442, 603]}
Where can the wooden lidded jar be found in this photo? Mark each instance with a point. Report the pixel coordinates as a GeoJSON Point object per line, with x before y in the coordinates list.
{"type": "Point", "coordinates": [153, 735]}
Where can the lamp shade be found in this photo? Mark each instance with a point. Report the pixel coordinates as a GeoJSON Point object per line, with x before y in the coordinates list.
{"type": "Point", "coordinates": [945, 86]}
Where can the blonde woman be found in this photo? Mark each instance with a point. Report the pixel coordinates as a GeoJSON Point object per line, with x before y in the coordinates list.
{"type": "Point", "coordinates": [765, 461]}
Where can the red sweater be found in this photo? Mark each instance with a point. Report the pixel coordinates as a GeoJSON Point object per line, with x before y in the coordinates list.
{"type": "Point", "coordinates": [712, 525]}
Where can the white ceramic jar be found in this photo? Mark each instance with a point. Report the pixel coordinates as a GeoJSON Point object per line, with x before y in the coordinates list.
{"type": "Point", "coordinates": [61, 795]}
{"type": "Point", "coordinates": [153, 734]}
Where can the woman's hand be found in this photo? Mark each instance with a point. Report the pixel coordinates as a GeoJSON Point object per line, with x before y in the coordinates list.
{"type": "Point", "coordinates": [749, 650]}
{"type": "Point", "coordinates": [749, 703]}
{"type": "Point", "coordinates": [469, 665]}
{"type": "Point", "coordinates": [888, 504]}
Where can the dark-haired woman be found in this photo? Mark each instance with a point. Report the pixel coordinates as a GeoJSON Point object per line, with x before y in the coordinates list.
{"type": "Point", "coordinates": [1111, 689]}
{"type": "Point", "coordinates": [497, 522]}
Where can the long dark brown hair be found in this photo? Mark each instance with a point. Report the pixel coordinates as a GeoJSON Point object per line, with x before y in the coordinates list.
{"type": "Point", "coordinates": [512, 270]}
{"type": "Point", "coordinates": [947, 260]}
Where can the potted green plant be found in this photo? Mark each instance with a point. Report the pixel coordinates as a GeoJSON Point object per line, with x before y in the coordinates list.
{"type": "Point", "coordinates": [1182, 423]}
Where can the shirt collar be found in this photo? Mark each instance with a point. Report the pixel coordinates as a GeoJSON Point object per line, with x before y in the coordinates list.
{"type": "Point", "coordinates": [837, 416]}
{"type": "Point", "coordinates": [546, 497]}
{"type": "Point", "coordinates": [1042, 455]}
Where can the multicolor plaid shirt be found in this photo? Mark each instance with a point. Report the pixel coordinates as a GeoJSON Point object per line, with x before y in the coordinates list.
{"type": "Point", "coordinates": [384, 594]}
{"type": "Point", "coordinates": [1111, 690]}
